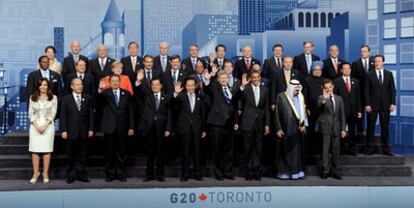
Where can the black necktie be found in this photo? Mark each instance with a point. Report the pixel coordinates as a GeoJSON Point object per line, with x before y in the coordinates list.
{"type": "Point", "coordinates": [380, 77]}
{"type": "Point", "coordinates": [148, 75]}
{"type": "Point", "coordinates": [332, 102]}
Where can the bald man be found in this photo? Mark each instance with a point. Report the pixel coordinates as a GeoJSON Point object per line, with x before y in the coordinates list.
{"type": "Point", "coordinates": [245, 63]}
{"type": "Point", "coordinates": [70, 60]}
{"type": "Point", "coordinates": [101, 65]}
{"type": "Point", "coordinates": [161, 62]}
{"type": "Point", "coordinates": [331, 64]}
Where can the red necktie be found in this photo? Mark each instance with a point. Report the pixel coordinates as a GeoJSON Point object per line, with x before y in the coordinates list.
{"type": "Point", "coordinates": [348, 87]}
{"type": "Point", "coordinates": [336, 66]}
{"type": "Point", "coordinates": [248, 64]}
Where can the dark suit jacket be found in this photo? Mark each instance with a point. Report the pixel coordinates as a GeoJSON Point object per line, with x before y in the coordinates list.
{"type": "Point", "coordinates": [97, 72]}
{"type": "Point", "coordinates": [278, 84]}
{"type": "Point", "coordinates": [251, 113]}
{"type": "Point", "coordinates": [221, 112]}
{"type": "Point", "coordinates": [74, 121]}
{"type": "Point", "coordinates": [186, 117]}
{"type": "Point", "coordinates": [216, 62]}
{"type": "Point", "coordinates": [157, 64]}
{"type": "Point", "coordinates": [352, 101]}
{"type": "Point", "coordinates": [299, 63]}
{"type": "Point", "coordinates": [241, 68]}
{"type": "Point", "coordinates": [377, 96]}
{"type": "Point", "coordinates": [187, 66]}
{"type": "Point", "coordinates": [331, 121]}
{"type": "Point", "coordinates": [68, 65]}
{"type": "Point", "coordinates": [116, 119]}
{"type": "Point", "coordinates": [54, 79]}
{"type": "Point", "coordinates": [161, 118]}
{"type": "Point", "coordinates": [89, 86]}
{"type": "Point", "coordinates": [128, 70]}
{"type": "Point", "coordinates": [168, 83]}
{"type": "Point", "coordinates": [270, 68]}
{"type": "Point", "coordinates": [360, 73]}
{"type": "Point", "coordinates": [328, 70]}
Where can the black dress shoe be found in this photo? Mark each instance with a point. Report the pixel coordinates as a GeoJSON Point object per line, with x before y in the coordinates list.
{"type": "Point", "coordinates": [352, 153]}
{"type": "Point", "coordinates": [70, 180]}
{"type": "Point", "coordinates": [369, 152]}
{"type": "Point", "coordinates": [337, 176]}
{"type": "Point", "coordinates": [324, 176]}
{"type": "Point", "coordinates": [230, 177]}
{"type": "Point", "coordinates": [122, 179]}
{"type": "Point", "coordinates": [85, 180]}
{"type": "Point", "coordinates": [219, 178]}
{"type": "Point", "coordinates": [109, 179]}
{"type": "Point", "coordinates": [249, 178]}
{"type": "Point", "coordinates": [147, 178]}
{"type": "Point", "coordinates": [258, 178]}
{"type": "Point", "coordinates": [388, 153]}
{"type": "Point", "coordinates": [198, 178]}
{"type": "Point", "coordinates": [183, 179]}
{"type": "Point", "coordinates": [160, 179]}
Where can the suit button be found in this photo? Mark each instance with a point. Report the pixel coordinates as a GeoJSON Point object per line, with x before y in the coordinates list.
{"type": "Point", "coordinates": [155, 118]}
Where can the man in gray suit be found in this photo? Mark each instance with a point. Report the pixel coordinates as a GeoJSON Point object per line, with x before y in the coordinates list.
{"type": "Point", "coordinates": [331, 124]}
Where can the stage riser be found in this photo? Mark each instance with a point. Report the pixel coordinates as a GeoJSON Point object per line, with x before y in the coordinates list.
{"type": "Point", "coordinates": [174, 171]}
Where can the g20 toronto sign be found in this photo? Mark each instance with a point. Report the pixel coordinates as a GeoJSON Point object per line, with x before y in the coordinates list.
{"type": "Point", "coordinates": [222, 197]}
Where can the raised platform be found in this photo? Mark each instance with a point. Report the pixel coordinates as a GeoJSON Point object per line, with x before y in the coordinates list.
{"type": "Point", "coordinates": [361, 170]}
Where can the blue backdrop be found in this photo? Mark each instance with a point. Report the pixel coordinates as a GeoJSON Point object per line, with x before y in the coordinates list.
{"type": "Point", "coordinates": [27, 26]}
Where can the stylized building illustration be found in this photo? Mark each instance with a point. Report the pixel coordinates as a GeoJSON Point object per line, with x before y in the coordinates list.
{"type": "Point", "coordinates": [113, 27]}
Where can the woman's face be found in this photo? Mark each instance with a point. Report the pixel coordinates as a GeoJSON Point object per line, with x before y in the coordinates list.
{"type": "Point", "coordinates": [43, 88]}
{"type": "Point", "coordinates": [50, 54]}
{"type": "Point", "coordinates": [117, 70]}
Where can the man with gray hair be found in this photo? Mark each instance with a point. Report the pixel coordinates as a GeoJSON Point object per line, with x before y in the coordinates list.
{"type": "Point", "coordinates": [245, 63]}
{"type": "Point", "coordinates": [69, 62]}
{"type": "Point", "coordinates": [101, 65]}
{"type": "Point", "coordinates": [331, 64]}
{"type": "Point", "coordinates": [161, 62]}
{"type": "Point", "coordinates": [290, 124]}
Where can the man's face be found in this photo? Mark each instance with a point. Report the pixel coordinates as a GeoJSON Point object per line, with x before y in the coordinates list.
{"type": "Point", "coordinates": [221, 52]}
{"type": "Point", "coordinates": [228, 68]}
{"type": "Point", "coordinates": [77, 86]}
{"type": "Point", "coordinates": [277, 52]}
{"type": "Point", "coordinates": [164, 49]}
{"type": "Point", "coordinates": [222, 79]}
{"type": "Point", "coordinates": [328, 88]}
{"type": "Point", "coordinates": [75, 47]}
{"type": "Point", "coordinates": [102, 52]}
{"type": "Point", "coordinates": [308, 48]}
{"type": "Point", "coordinates": [297, 89]}
{"type": "Point", "coordinates": [199, 67]}
{"type": "Point", "coordinates": [287, 63]}
{"type": "Point", "coordinates": [175, 63]}
{"type": "Point", "coordinates": [156, 86]}
{"type": "Point", "coordinates": [317, 71]}
{"type": "Point", "coordinates": [44, 63]}
{"type": "Point", "coordinates": [193, 51]}
{"type": "Point", "coordinates": [379, 63]}
{"type": "Point", "coordinates": [334, 51]}
{"type": "Point", "coordinates": [115, 82]}
{"type": "Point", "coordinates": [148, 63]}
{"type": "Point", "coordinates": [346, 70]}
{"type": "Point", "coordinates": [190, 86]}
{"type": "Point", "coordinates": [365, 53]}
{"type": "Point", "coordinates": [133, 50]}
{"type": "Point", "coordinates": [247, 52]}
{"type": "Point", "coordinates": [81, 67]}
{"type": "Point", "coordinates": [255, 78]}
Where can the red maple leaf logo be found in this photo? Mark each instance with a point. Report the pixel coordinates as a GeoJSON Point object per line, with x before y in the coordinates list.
{"type": "Point", "coordinates": [202, 197]}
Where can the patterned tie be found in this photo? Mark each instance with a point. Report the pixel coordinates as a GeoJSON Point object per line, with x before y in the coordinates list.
{"type": "Point", "coordinates": [227, 95]}
{"type": "Point", "coordinates": [78, 102]}
{"type": "Point", "coordinates": [116, 97]}
{"type": "Point", "coordinates": [174, 77]}
{"type": "Point", "coordinates": [102, 64]}
{"type": "Point", "coordinates": [194, 62]}
{"type": "Point", "coordinates": [81, 76]}
{"type": "Point", "coordinates": [348, 87]}
{"type": "Point", "coordinates": [248, 64]}
{"type": "Point", "coordinates": [157, 102]}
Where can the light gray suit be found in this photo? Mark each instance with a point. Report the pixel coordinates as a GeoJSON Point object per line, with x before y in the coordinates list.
{"type": "Point", "coordinates": [329, 124]}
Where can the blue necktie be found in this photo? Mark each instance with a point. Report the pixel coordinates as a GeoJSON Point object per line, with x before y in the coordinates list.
{"type": "Point", "coordinates": [148, 75]}
{"type": "Point", "coordinates": [309, 63]}
{"type": "Point", "coordinates": [226, 94]}
{"type": "Point", "coordinates": [116, 97]}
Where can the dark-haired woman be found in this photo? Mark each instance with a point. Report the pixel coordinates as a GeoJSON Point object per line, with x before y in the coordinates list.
{"type": "Point", "coordinates": [54, 64]}
{"type": "Point", "coordinates": [42, 110]}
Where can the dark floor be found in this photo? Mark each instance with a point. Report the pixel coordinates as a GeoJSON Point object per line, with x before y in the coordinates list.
{"type": "Point", "coordinates": [16, 185]}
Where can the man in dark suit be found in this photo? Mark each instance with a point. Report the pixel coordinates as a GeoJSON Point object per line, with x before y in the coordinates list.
{"type": "Point", "coordinates": [76, 125]}
{"type": "Point", "coordinates": [331, 64]}
{"type": "Point", "coordinates": [161, 62]}
{"type": "Point", "coordinates": [117, 124]}
{"type": "Point", "coordinates": [173, 75]}
{"type": "Point", "coordinates": [348, 89]}
{"type": "Point", "coordinates": [220, 59]}
{"type": "Point", "coordinates": [190, 126]}
{"type": "Point", "coordinates": [44, 72]}
{"type": "Point", "coordinates": [101, 65]}
{"type": "Point", "coordinates": [69, 62]}
{"type": "Point", "coordinates": [155, 125]}
{"type": "Point", "coordinates": [132, 62]}
{"type": "Point", "coordinates": [281, 78]}
{"type": "Point", "coordinates": [188, 64]}
{"type": "Point", "coordinates": [88, 81]}
{"type": "Point", "coordinates": [274, 63]}
{"type": "Point", "coordinates": [303, 62]}
{"type": "Point", "coordinates": [245, 63]}
{"type": "Point", "coordinates": [380, 101]}
{"type": "Point", "coordinates": [331, 124]}
{"type": "Point", "coordinates": [360, 70]}
{"type": "Point", "coordinates": [254, 106]}
{"type": "Point", "coordinates": [222, 119]}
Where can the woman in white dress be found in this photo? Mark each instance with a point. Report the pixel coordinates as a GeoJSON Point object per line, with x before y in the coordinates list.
{"type": "Point", "coordinates": [42, 110]}
{"type": "Point", "coordinates": [54, 64]}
